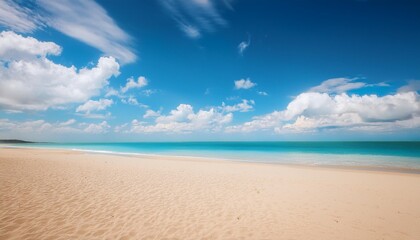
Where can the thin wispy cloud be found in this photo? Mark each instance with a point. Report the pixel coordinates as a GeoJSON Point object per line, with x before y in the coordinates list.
{"type": "Point", "coordinates": [92, 105]}
{"type": "Point", "coordinates": [197, 16]}
{"type": "Point", "coordinates": [18, 18]}
{"type": "Point", "coordinates": [131, 100]}
{"type": "Point", "coordinates": [190, 31]}
{"type": "Point", "coordinates": [78, 19]}
{"type": "Point", "coordinates": [243, 46]}
{"type": "Point", "coordinates": [412, 86]}
{"type": "Point", "coordinates": [340, 85]}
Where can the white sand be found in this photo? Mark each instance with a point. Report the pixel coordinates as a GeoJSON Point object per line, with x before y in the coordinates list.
{"type": "Point", "coordinates": [55, 194]}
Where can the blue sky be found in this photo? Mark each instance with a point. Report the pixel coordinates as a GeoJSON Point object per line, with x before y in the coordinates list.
{"type": "Point", "coordinates": [209, 70]}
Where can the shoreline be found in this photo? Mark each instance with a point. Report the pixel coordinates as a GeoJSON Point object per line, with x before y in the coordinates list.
{"type": "Point", "coordinates": [370, 168]}
{"type": "Point", "coordinates": [51, 194]}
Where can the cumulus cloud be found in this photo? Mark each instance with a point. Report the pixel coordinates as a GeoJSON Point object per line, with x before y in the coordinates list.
{"type": "Point", "coordinates": [97, 128]}
{"type": "Point", "coordinates": [78, 19]}
{"type": "Point", "coordinates": [151, 114]}
{"type": "Point", "coordinates": [311, 111]}
{"type": "Point", "coordinates": [13, 128]}
{"type": "Point", "coordinates": [183, 119]}
{"type": "Point", "coordinates": [367, 108]}
{"type": "Point", "coordinates": [264, 122]}
{"type": "Point", "coordinates": [25, 126]}
{"type": "Point", "coordinates": [244, 84]}
{"type": "Point", "coordinates": [131, 83]}
{"type": "Point", "coordinates": [92, 105]}
{"type": "Point", "coordinates": [194, 17]}
{"type": "Point", "coordinates": [17, 47]}
{"type": "Point", "coordinates": [262, 93]}
{"type": "Point", "coordinates": [34, 82]}
{"type": "Point", "coordinates": [244, 106]}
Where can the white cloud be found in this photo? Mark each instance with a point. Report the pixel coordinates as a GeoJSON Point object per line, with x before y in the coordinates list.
{"type": "Point", "coordinates": [16, 47]}
{"type": "Point", "coordinates": [381, 84]}
{"type": "Point", "coordinates": [341, 85]}
{"type": "Point", "coordinates": [264, 122]}
{"type": "Point", "coordinates": [38, 83]}
{"type": "Point", "coordinates": [92, 106]}
{"type": "Point", "coordinates": [151, 114]}
{"type": "Point", "coordinates": [112, 92]}
{"type": "Point", "coordinates": [78, 19]}
{"type": "Point", "coordinates": [232, 98]}
{"type": "Point", "coordinates": [337, 85]}
{"type": "Point", "coordinates": [190, 31]}
{"type": "Point", "coordinates": [194, 17]}
{"type": "Point", "coordinates": [149, 92]}
{"type": "Point", "coordinates": [44, 130]}
{"type": "Point", "coordinates": [244, 106]}
{"type": "Point", "coordinates": [244, 84]}
{"type": "Point", "coordinates": [179, 114]}
{"type": "Point", "coordinates": [6, 125]}
{"type": "Point", "coordinates": [262, 93]}
{"type": "Point", "coordinates": [18, 18]}
{"type": "Point", "coordinates": [130, 100]}
{"type": "Point", "coordinates": [13, 128]}
{"type": "Point", "coordinates": [96, 115]}
{"type": "Point", "coordinates": [121, 128]}
{"type": "Point", "coordinates": [183, 119]}
{"type": "Point", "coordinates": [131, 83]}
{"type": "Point", "coordinates": [102, 127]}
{"type": "Point", "coordinates": [412, 86]}
{"type": "Point", "coordinates": [133, 101]}
{"type": "Point", "coordinates": [243, 46]}
{"type": "Point", "coordinates": [26, 126]}
{"type": "Point", "coordinates": [311, 111]}
{"type": "Point", "coordinates": [370, 108]}
{"type": "Point", "coordinates": [67, 123]}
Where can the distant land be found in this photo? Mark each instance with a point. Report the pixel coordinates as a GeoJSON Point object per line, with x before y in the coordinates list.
{"type": "Point", "coordinates": [13, 141]}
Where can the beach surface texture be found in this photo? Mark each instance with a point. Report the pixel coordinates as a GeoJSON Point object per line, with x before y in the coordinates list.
{"type": "Point", "coordinates": [62, 194]}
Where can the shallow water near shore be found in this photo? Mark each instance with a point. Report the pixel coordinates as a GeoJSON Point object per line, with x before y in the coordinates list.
{"type": "Point", "coordinates": [404, 155]}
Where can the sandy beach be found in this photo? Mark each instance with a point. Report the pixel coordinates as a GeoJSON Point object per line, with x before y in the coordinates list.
{"type": "Point", "coordinates": [58, 194]}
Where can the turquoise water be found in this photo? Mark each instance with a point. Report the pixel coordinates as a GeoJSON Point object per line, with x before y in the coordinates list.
{"type": "Point", "coordinates": [384, 154]}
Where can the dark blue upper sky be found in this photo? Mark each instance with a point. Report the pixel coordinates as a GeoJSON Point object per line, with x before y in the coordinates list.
{"type": "Point", "coordinates": [189, 53]}
{"type": "Point", "coordinates": [294, 45]}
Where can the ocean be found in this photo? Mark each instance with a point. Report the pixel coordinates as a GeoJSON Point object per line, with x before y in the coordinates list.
{"type": "Point", "coordinates": [404, 155]}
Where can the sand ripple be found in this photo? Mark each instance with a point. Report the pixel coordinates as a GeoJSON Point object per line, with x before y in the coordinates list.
{"type": "Point", "coordinates": [70, 195]}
